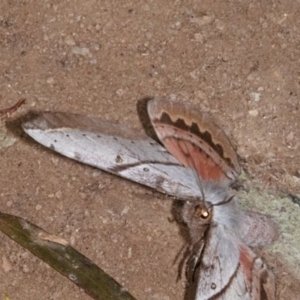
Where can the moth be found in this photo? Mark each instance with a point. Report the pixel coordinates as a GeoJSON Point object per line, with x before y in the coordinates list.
{"type": "Point", "coordinates": [196, 163]}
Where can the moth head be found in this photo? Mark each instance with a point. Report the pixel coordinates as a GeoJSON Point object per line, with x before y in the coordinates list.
{"type": "Point", "coordinates": [196, 214]}
{"type": "Point", "coordinates": [201, 212]}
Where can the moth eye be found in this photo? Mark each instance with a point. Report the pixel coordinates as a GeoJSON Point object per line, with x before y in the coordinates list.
{"type": "Point", "coordinates": [200, 212]}
{"type": "Point", "coordinates": [205, 214]}
{"type": "Point", "coordinates": [197, 211]}
{"type": "Point", "coordinates": [213, 286]}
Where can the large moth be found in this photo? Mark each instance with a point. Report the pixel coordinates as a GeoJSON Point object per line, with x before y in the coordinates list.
{"type": "Point", "coordinates": [196, 165]}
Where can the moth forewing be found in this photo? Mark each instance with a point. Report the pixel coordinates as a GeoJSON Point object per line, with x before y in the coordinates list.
{"type": "Point", "coordinates": [180, 121]}
{"type": "Point", "coordinates": [219, 263]}
{"type": "Point", "coordinates": [115, 149]}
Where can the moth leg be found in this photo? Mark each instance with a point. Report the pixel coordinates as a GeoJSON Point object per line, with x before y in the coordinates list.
{"type": "Point", "coordinates": [194, 260]}
{"type": "Point", "coordinates": [184, 257]}
{"type": "Point", "coordinates": [263, 281]}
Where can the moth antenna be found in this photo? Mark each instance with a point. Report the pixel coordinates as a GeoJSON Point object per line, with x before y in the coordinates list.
{"type": "Point", "coordinates": [199, 184]}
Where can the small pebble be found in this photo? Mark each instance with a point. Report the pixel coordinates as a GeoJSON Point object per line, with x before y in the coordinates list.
{"type": "Point", "coordinates": [290, 136]}
{"type": "Point", "coordinates": [200, 21]}
{"type": "Point", "coordinates": [6, 265]}
{"type": "Point", "coordinates": [38, 207]}
{"type": "Point", "coordinates": [120, 92]}
{"type": "Point", "coordinates": [83, 51]}
{"type": "Point", "coordinates": [219, 25]}
{"type": "Point", "coordinates": [58, 194]}
{"type": "Point", "coordinates": [255, 96]}
{"type": "Point", "coordinates": [70, 41]}
{"type": "Point", "coordinates": [198, 37]}
{"type": "Point", "coordinates": [129, 254]}
{"type": "Point", "coordinates": [72, 240]}
{"type": "Point", "coordinates": [253, 113]}
{"type": "Point", "coordinates": [9, 203]}
{"type": "Point", "coordinates": [25, 269]}
{"type": "Point", "coordinates": [50, 80]}
{"type": "Point", "coordinates": [93, 61]}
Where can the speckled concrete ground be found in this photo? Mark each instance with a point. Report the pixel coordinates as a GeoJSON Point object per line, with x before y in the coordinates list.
{"type": "Point", "coordinates": [238, 60]}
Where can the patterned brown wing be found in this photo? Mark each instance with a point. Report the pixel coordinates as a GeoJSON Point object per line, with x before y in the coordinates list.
{"type": "Point", "coordinates": [194, 139]}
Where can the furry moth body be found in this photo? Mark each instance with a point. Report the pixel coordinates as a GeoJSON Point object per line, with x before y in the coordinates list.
{"type": "Point", "coordinates": [221, 265]}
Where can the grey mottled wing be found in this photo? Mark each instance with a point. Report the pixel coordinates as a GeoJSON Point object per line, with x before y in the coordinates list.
{"type": "Point", "coordinates": [115, 149]}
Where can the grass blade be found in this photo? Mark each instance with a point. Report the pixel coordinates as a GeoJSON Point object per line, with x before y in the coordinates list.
{"type": "Point", "coordinates": [57, 253]}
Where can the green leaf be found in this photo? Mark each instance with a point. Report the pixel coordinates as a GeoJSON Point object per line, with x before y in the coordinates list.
{"type": "Point", "coordinates": [57, 253]}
